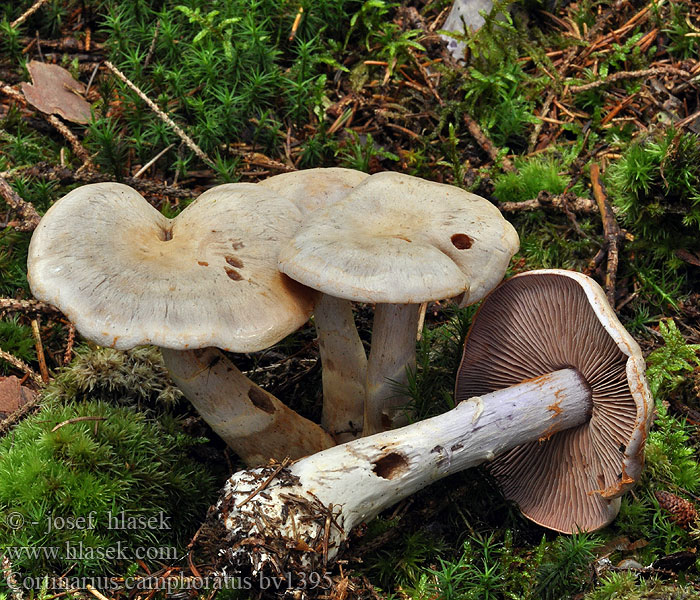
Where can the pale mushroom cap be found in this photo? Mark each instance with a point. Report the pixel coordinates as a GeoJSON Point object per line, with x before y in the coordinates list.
{"type": "Point", "coordinates": [312, 189]}
{"type": "Point", "coordinates": [401, 239]}
{"type": "Point", "coordinates": [126, 275]}
{"type": "Point", "coordinates": [539, 322]}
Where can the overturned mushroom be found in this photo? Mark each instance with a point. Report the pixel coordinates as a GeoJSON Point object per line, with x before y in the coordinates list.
{"type": "Point", "coordinates": [342, 353]}
{"type": "Point", "coordinates": [205, 278]}
{"type": "Point", "coordinates": [583, 405]}
{"type": "Point", "coordinates": [398, 241]}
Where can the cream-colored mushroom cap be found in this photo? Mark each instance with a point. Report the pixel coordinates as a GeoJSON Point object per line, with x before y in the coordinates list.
{"type": "Point", "coordinates": [401, 239]}
{"type": "Point", "coordinates": [312, 189]}
{"type": "Point", "coordinates": [127, 275]}
{"type": "Point", "coordinates": [533, 324]}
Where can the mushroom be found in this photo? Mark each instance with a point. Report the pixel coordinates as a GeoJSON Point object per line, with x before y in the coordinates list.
{"type": "Point", "coordinates": [552, 393]}
{"type": "Point", "coordinates": [205, 278]}
{"type": "Point", "coordinates": [340, 347]}
{"type": "Point", "coordinates": [399, 241]}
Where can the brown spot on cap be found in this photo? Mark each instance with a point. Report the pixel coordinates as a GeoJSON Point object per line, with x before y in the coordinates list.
{"type": "Point", "coordinates": [233, 274]}
{"type": "Point", "coordinates": [202, 263]}
{"type": "Point", "coordinates": [461, 241]}
{"type": "Point", "coordinates": [234, 262]}
{"type": "Point", "coordinates": [260, 399]}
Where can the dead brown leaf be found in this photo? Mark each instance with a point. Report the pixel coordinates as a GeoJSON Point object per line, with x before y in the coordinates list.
{"type": "Point", "coordinates": [13, 395]}
{"type": "Point", "coordinates": [54, 91]}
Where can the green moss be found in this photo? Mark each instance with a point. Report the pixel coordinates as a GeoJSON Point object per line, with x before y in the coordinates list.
{"type": "Point", "coordinates": [656, 186]}
{"type": "Point", "coordinates": [136, 378]}
{"type": "Point", "coordinates": [91, 485]}
{"type": "Point", "coordinates": [533, 176]}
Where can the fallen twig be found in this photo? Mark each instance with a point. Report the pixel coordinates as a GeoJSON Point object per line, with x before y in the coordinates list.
{"type": "Point", "coordinates": [31, 306]}
{"type": "Point", "coordinates": [487, 145]}
{"type": "Point", "coordinates": [74, 142]}
{"type": "Point", "coordinates": [28, 13]}
{"type": "Point", "coordinates": [30, 218]}
{"type": "Point", "coordinates": [21, 365]}
{"type": "Point", "coordinates": [545, 200]}
{"type": "Point", "coordinates": [622, 75]}
{"type": "Point", "coordinates": [76, 420]}
{"type": "Point", "coordinates": [613, 234]}
{"type": "Point", "coordinates": [43, 369]}
{"type": "Point", "coordinates": [163, 117]}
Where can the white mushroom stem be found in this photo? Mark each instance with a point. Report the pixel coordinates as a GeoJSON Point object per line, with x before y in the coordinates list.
{"type": "Point", "coordinates": [255, 424]}
{"type": "Point", "coordinates": [312, 506]}
{"type": "Point", "coordinates": [344, 368]}
{"type": "Point", "coordinates": [393, 353]}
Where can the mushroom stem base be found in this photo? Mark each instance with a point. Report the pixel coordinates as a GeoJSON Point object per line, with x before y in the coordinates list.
{"type": "Point", "coordinates": [311, 507]}
{"type": "Point", "coordinates": [255, 424]}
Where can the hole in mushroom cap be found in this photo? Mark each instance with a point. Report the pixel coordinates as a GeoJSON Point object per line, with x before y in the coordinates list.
{"type": "Point", "coordinates": [461, 241]}
{"type": "Point", "coordinates": [390, 465]}
{"type": "Point", "coordinates": [261, 400]}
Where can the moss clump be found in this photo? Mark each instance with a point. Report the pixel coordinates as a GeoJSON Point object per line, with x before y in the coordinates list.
{"type": "Point", "coordinates": [136, 377]}
{"type": "Point", "coordinates": [656, 186]}
{"type": "Point", "coordinates": [534, 176]}
{"type": "Point", "coordinates": [95, 495]}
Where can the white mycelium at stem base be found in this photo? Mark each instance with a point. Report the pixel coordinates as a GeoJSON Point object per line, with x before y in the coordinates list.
{"type": "Point", "coordinates": [311, 507]}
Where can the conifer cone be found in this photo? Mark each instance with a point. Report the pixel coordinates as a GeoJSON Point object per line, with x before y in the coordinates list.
{"type": "Point", "coordinates": [682, 511]}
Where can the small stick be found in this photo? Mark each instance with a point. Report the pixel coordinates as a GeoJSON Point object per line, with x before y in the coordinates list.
{"type": "Point", "coordinates": [28, 213]}
{"type": "Point", "coordinates": [40, 351]}
{"type": "Point", "coordinates": [74, 142]}
{"type": "Point", "coordinates": [265, 483]}
{"type": "Point", "coordinates": [92, 78]}
{"type": "Point", "coordinates": [152, 47]}
{"type": "Point", "coordinates": [483, 141]}
{"type": "Point", "coordinates": [69, 345]}
{"type": "Point", "coordinates": [77, 420]}
{"type": "Point", "coordinates": [21, 365]}
{"type": "Point", "coordinates": [165, 118]}
{"type": "Point", "coordinates": [577, 205]}
{"type": "Point", "coordinates": [151, 162]}
{"type": "Point", "coordinates": [28, 13]}
{"type": "Point", "coordinates": [622, 75]}
{"type": "Point", "coordinates": [537, 129]}
{"type": "Point", "coordinates": [99, 595]}
{"type": "Point", "coordinates": [35, 306]}
{"type": "Point", "coordinates": [296, 23]}
{"type": "Point", "coordinates": [612, 232]}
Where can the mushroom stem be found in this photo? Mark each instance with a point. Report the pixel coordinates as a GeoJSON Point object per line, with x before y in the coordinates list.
{"type": "Point", "coordinates": [344, 368]}
{"type": "Point", "coordinates": [312, 506]}
{"type": "Point", "coordinates": [393, 352]}
{"type": "Point", "coordinates": [255, 424]}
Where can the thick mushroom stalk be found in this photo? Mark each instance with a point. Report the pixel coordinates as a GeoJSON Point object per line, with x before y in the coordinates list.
{"type": "Point", "coordinates": [344, 368]}
{"type": "Point", "coordinates": [342, 352]}
{"type": "Point", "coordinates": [305, 513]}
{"type": "Point", "coordinates": [393, 353]}
{"type": "Point", "coordinates": [255, 424]}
